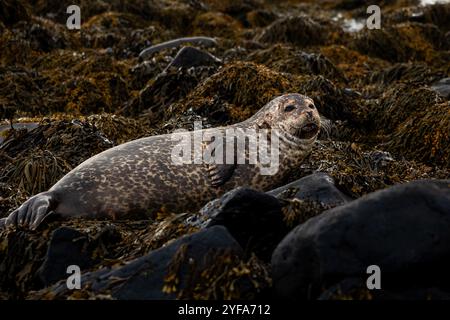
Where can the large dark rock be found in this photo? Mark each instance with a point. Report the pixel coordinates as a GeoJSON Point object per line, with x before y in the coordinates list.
{"type": "Point", "coordinates": [319, 187]}
{"type": "Point", "coordinates": [253, 218]}
{"type": "Point", "coordinates": [67, 247]}
{"type": "Point", "coordinates": [154, 275]}
{"type": "Point", "coordinates": [405, 230]}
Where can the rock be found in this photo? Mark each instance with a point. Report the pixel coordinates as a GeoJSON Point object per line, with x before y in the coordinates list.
{"type": "Point", "coordinates": [404, 230]}
{"type": "Point", "coordinates": [189, 57]}
{"type": "Point", "coordinates": [167, 88]}
{"type": "Point", "coordinates": [287, 30]}
{"type": "Point", "coordinates": [163, 272]}
{"type": "Point", "coordinates": [17, 126]}
{"type": "Point", "coordinates": [253, 218]}
{"type": "Point", "coordinates": [442, 87]}
{"type": "Point", "coordinates": [379, 159]}
{"type": "Point", "coordinates": [242, 87]}
{"type": "Point", "coordinates": [67, 247]}
{"type": "Point", "coordinates": [319, 187]}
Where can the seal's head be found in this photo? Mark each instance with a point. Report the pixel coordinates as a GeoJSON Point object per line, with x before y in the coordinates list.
{"type": "Point", "coordinates": [293, 114]}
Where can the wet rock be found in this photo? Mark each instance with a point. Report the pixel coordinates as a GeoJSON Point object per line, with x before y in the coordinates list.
{"type": "Point", "coordinates": [319, 187]}
{"type": "Point", "coordinates": [163, 273]}
{"type": "Point", "coordinates": [67, 247]}
{"type": "Point", "coordinates": [189, 57]}
{"type": "Point", "coordinates": [287, 30]}
{"type": "Point", "coordinates": [442, 87]}
{"type": "Point", "coordinates": [253, 218]}
{"type": "Point", "coordinates": [403, 230]}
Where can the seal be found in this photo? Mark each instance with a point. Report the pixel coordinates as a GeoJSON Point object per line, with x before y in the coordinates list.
{"type": "Point", "coordinates": [141, 177]}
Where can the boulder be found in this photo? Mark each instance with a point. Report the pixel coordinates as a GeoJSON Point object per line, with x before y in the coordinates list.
{"type": "Point", "coordinates": [405, 230]}
{"type": "Point", "coordinates": [253, 218]}
{"type": "Point", "coordinates": [189, 57]}
{"type": "Point", "coordinates": [318, 187]}
{"type": "Point", "coordinates": [67, 247]}
{"type": "Point", "coordinates": [162, 273]}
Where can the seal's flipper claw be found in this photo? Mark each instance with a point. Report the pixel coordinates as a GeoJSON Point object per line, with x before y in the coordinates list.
{"type": "Point", "coordinates": [220, 173]}
{"type": "Point", "coordinates": [22, 213]}
{"type": "Point", "coordinates": [41, 208]}
{"type": "Point", "coordinates": [32, 212]}
{"type": "Point", "coordinates": [39, 217]}
{"type": "Point", "coordinates": [2, 224]}
{"type": "Point", "coordinates": [11, 220]}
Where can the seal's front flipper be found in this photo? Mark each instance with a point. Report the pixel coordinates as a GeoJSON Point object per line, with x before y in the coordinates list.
{"type": "Point", "coordinates": [220, 173]}
{"type": "Point", "coordinates": [32, 212]}
{"type": "Point", "coordinates": [2, 223]}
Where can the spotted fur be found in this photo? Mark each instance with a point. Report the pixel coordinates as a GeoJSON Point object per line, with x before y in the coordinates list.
{"type": "Point", "coordinates": [138, 178]}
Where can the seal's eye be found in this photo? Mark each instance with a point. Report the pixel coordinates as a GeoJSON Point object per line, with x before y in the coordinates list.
{"type": "Point", "coordinates": [289, 108]}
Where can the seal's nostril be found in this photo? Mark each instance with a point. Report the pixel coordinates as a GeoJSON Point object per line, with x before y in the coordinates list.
{"type": "Point", "coordinates": [312, 106]}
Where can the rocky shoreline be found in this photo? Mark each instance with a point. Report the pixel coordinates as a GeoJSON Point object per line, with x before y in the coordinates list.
{"type": "Point", "coordinates": [375, 189]}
